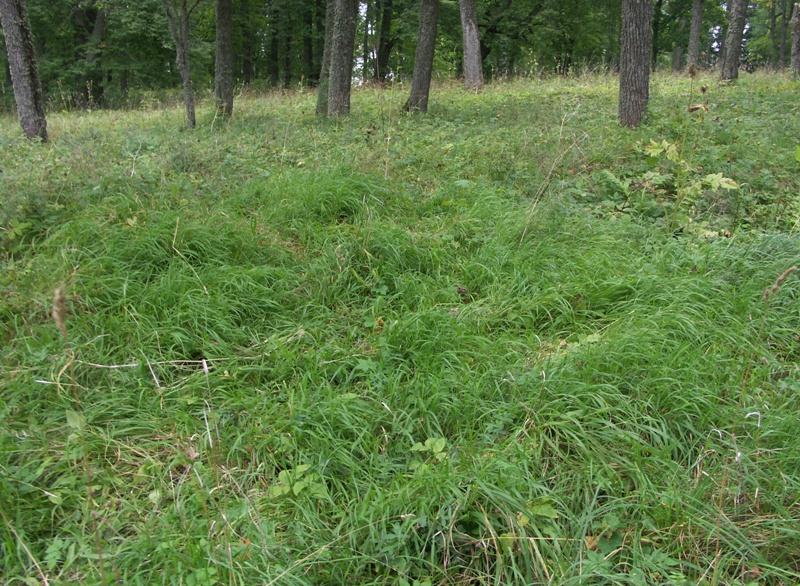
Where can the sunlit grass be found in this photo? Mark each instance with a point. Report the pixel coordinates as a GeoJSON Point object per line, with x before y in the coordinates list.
{"type": "Point", "coordinates": [399, 350]}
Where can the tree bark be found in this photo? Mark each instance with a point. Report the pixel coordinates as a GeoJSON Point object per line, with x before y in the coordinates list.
{"type": "Point", "coordinates": [386, 41]}
{"type": "Point", "coordinates": [733, 40]}
{"type": "Point", "coordinates": [423, 60]}
{"type": "Point", "coordinates": [178, 19]}
{"type": "Point", "coordinates": [796, 40]}
{"type": "Point", "coordinates": [342, 49]}
{"type": "Point", "coordinates": [325, 70]}
{"type": "Point", "coordinates": [677, 55]}
{"type": "Point", "coordinates": [308, 42]}
{"type": "Point", "coordinates": [473, 65]}
{"type": "Point", "coordinates": [22, 64]}
{"type": "Point", "coordinates": [693, 58]}
{"type": "Point", "coordinates": [784, 30]}
{"type": "Point", "coordinates": [223, 63]}
{"type": "Point", "coordinates": [634, 74]}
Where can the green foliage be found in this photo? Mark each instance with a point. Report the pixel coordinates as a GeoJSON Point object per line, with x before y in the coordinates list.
{"type": "Point", "coordinates": [402, 350]}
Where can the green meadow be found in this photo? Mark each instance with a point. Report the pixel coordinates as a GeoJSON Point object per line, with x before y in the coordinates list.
{"type": "Point", "coordinates": [506, 342]}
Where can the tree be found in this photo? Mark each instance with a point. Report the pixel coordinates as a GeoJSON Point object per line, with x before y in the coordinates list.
{"type": "Point", "coordinates": [733, 40]}
{"type": "Point", "coordinates": [634, 74]}
{"type": "Point", "coordinates": [423, 61]}
{"type": "Point", "coordinates": [223, 65]}
{"type": "Point", "coordinates": [694, 34]}
{"type": "Point", "coordinates": [796, 40]}
{"type": "Point", "coordinates": [22, 64]}
{"type": "Point", "coordinates": [342, 49]}
{"type": "Point", "coordinates": [325, 70]}
{"type": "Point", "coordinates": [178, 18]}
{"type": "Point", "coordinates": [386, 40]}
{"type": "Point", "coordinates": [90, 82]}
{"type": "Point", "coordinates": [473, 63]}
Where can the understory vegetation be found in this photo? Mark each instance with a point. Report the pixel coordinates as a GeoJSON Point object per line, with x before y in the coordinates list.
{"type": "Point", "coordinates": [507, 342]}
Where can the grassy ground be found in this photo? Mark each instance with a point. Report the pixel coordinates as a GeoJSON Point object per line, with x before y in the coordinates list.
{"type": "Point", "coordinates": [500, 343]}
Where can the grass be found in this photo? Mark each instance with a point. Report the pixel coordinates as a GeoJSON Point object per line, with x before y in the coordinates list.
{"type": "Point", "coordinates": [445, 349]}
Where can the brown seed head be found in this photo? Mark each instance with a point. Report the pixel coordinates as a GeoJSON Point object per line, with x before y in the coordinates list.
{"type": "Point", "coordinates": [692, 71]}
{"type": "Point", "coordinates": [59, 312]}
{"type": "Point", "coordinates": [774, 289]}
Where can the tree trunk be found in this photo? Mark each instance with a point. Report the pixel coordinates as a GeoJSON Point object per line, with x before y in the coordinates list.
{"type": "Point", "coordinates": [22, 64]}
{"type": "Point", "coordinates": [6, 69]}
{"type": "Point", "coordinates": [223, 63]}
{"type": "Point", "coordinates": [386, 41]}
{"type": "Point", "coordinates": [342, 49]}
{"type": "Point", "coordinates": [796, 40]}
{"type": "Point", "coordinates": [473, 66]}
{"type": "Point", "coordinates": [771, 26]}
{"type": "Point", "coordinates": [423, 60]}
{"type": "Point", "coordinates": [677, 55]}
{"type": "Point", "coordinates": [784, 30]}
{"type": "Point", "coordinates": [325, 70]}
{"type": "Point", "coordinates": [693, 58]}
{"type": "Point", "coordinates": [634, 74]}
{"type": "Point", "coordinates": [287, 57]}
{"type": "Point", "coordinates": [248, 67]}
{"type": "Point", "coordinates": [308, 42]}
{"type": "Point", "coordinates": [90, 84]}
{"type": "Point", "coordinates": [656, 30]}
{"type": "Point", "coordinates": [733, 40]}
{"type": "Point", "coordinates": [178, 19]}
{"type": "Point", "coordinates": [319, 37]}
{"type": "Point", "coordinates": [365, 46]}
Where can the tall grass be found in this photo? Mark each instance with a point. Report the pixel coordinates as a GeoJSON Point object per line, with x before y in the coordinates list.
{"type": "Point", "coordinates": [398, 350]}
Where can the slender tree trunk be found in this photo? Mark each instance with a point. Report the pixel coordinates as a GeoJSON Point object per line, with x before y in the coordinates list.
{"type": "Point", "coordinates": [22, 64]}
{"type": "Point", "coordinates": [733, 40]}
{"type": "Point", "coordinates": [366, 48]}
{"type": "Point", "coordinates": [223, 63]}
{"type": "Point", "coordinates": [723, 34]}
{"type": "Point", "coordinates": [677, 55]}
{"type": "Point", "coordinates": [325, 70]}
{"type": "Point", "coordinates": [423, 60]}
{"type": "Point", "coordinates": [473, 65]}
{"type": "Point", "coordinates": [178, 19]}
{"type": "Point", "coordinates": [273, 52]}
{"type": "Point", "coordinates": [693, 58]}
{"type": "Point", "coordinates": [308, 42]}
{"type": "Point", "coordinates": [771, 27]}
{"type": "Point", "coordinates": [656, 30]}
{"type": "Point", "coordinates": [386, 41]}
{"type": "Point", "coordinates": [342, 49]}
{"type": "Point", "coordinates": [784, 29]}
{"type": "Point", "coordinates": [90, 83]}
{"type": "Point", "coordinates": [319, 37]}
{"type": "Point", "coordinates": [248, 67]}
{"type": "Point", "coordinates": [796, 40]}
{"type": "Point", "coordinates": [634, 75]}
{"type": "Point", "coordinates": [287, 58]}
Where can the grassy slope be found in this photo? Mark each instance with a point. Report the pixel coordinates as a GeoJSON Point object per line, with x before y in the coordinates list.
{"type": "Point", "coordinates": [446, 349]}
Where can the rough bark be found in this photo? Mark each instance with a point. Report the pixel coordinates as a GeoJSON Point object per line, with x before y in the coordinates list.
{"type": "Point", "coordinates": [796, 40]}
{"type": "Point", "coordinates": [342, 50]}
{"type": "Point", "coordinates": [22, 64]}
{"type": "Point", "coordinates": [386, 41]}
{"type": "Point", "coordinates": [223, 63]}
{"type": "Point", "coordinates": [634, 74]}
{"type": "Point", "coordinates": [423, 60]}
{"type": "Point", "coordinates": [693, 58]}
{"type": "Point", "coordinates": [178, 19]}
{"type": "Point", "coordinates": [733, 40]}
{"type": "Point", "coordinates": [473, 65]}
{"type": "Point", "coordinates": [6, 70]}
{"type": "Point", "coordinates": [325, 70]}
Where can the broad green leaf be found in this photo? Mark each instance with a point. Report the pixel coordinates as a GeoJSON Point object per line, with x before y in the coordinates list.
{"type": "Point", "coordinates": [418, 447]}
{"type": "Point", "coordinates": [543, 509]}
{"type": "Point", "coordinates": [75, 420]}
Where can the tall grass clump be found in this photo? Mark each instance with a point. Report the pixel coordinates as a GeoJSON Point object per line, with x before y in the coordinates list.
{"type": "Point", "coordinates": [401, 350]}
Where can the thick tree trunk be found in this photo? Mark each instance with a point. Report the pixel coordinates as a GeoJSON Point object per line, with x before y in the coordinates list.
{"type": "Point", "coordinates": [325, 70]}
{"type": "Point", "coordinates": [22, 64]}
{"type": "Point", "coordinates": [634, 74]}
{"type": "Point", "coordinates": [473, 65]}
{"type": "Point", "coordinates": [693, 59]}
{"type": "Point", "coordinates": [178, 19]}
{"type": "Point", "coordinates": [423, 60]}
{"type": "Point", "coordinates": [733, 40]}
{"type": "Point", "coordinates": [386, 41]}
{"type": "Point", "coordinates": [223, 63]}
{"type": "Point", "coordinates": [796, 40]}
{"type": "Point", "coordinates": [342, 49]}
